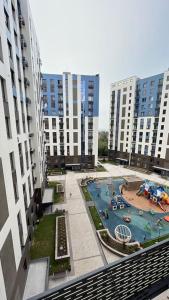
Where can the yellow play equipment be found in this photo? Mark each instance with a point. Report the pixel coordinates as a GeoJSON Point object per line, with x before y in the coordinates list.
{"type": "Point", "coordinates": [165, 198]}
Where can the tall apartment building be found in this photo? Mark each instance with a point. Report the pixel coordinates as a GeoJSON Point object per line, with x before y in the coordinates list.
{"type": "Point", "coordinates": [139, 127]}
{"type": "Point", "coordinates": [21, 143]}
{"type": "Point", "coordinates": [71, 108]}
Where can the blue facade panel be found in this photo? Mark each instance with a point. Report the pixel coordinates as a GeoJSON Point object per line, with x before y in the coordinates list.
{"type": "Point", "coordinates": [49, 111]}
{"type": "Point", "coordinates": [85, 82]}
{"type": "Point", "coordinates": [147, 95]}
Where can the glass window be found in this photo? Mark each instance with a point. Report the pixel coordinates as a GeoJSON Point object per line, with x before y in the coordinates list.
{"type": "Point", "coordinates": [53, 101]}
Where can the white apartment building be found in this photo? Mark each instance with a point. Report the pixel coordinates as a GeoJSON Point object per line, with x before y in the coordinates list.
{"type": "Point", "coordinates": [139, 127]}
{"type": "Point", "coordinates": [71, 109]}
{"type": "Point", "coordinates": [21, 143]}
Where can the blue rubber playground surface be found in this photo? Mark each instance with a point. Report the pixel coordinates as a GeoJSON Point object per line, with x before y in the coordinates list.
{"type": "Point", "coordinates": [143, 228]}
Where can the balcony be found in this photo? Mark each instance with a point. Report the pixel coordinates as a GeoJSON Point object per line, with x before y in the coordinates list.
{"type": "Point", "coordinates": [23, 44]}
{"type": "Point", "coordinates": [34, 180]}
{"type": "Point", "coordinates": [31, 134]}
{"type": "Point", "coordinates": [28, 100]}
{"type": "Point", "coordinates": [21, 20]}
{"type": "Point", "coordinates": [29, 118]}
{"type": "Point", "coordinates": [24, 62]}
{"type": "Point", "coordinates": [32, 150]}
{"type": "Point", "coordinates": [26, 82]}
{"type": "Point", "coordinates": [33, 165]}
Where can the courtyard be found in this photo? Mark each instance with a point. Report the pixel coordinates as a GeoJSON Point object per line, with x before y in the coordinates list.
{"type": "Point", "coordinates": [86, 252]}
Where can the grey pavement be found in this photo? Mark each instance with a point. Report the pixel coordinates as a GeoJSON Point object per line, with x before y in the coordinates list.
{"type": "Point", "coordinates": [36, 279]}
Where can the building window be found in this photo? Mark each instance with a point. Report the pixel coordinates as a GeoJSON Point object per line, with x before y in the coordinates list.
{"type": "Point", "coordinates": [8, 127]}
{"type": "Point", "coordinates": [146, 150]}
{"type": "Point", "coordinates": [160, 142]}
{"type": "Point", "coordinates": [47, 137]}
{"type": "Point", "coordinates": [12, 78]}
{"type": "Point", "coordinates": [14, 176]}
{"type": "Point", "coordinates": [1, 54]}
{"type": "Point", "coordinates": [159, 148]}
{"type": "Point", "coordinates": [45, 101]}
{"type": "Point", "coordinates": [6, 19]}
{"type": "Point", "coordinates": [46, 121]}
{"type": "Point", "coordinates": [55, 150]}
{"type": "Point", "coordinates": [124, 99]}
{"type": "Point", "coordinates": [54, 137]}
{"type": "Point", "coordinates": [148, 123]}
{"type": "Point", "coordinates": [10, 51]}
{"type": "Point", "coordinates": [163, 119]}
{"type": "Point", "coordinates": [139, 149]}
{"type": "Point", "coordinates": [76, 150]}
{"type": "Point", "coordinates": [21, 159]}
{"type": "Point", "coordinates": [164, 111]}
{"type": "Point", "coordinates": [147, 137]}
{"type": "Point", "coordinates": [26, 155]}
{"type": "Point", "coordinates": [141, 123]}
{"type": "Point", "coordinates": [53, 123]}
{"type": "Point", "coordinates": [125, 89]}
{"type": "Point", "coordinates": [165, 103]}
{"type": "Point", "coordinates": [162, 127]}
{"type": "Point", "coordinates": [75, 137]}
{"type": "Point", "coordinates": [161, 134]}
{"type": "Point", "coordinates": [25, 196]}
{"type": "Point", "coordinates": [67, 123]}
{"type": "Point", "coordinates": [67, 137]}
{"type": "Point", "coordinates": [20, 230]}
{"type": "Point", "coordinates": [44, 85]}
{"type": "Point", "coordinates": [52, 101]}
{"type": "Point", "coordinates": [167, 87]}
{"type": "Point", "coordinates": [52, 85]}
{"type": "Point", "coordinates": [123, 112]}
{"type": "Point", "coordinates": [75, 123]}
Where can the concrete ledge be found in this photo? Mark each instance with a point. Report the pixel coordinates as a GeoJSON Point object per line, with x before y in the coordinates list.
{"type": "Point", "coordinates": [112, 249]}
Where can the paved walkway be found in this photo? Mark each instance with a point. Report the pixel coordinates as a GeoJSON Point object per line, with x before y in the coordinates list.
{"type": "Point", "coordinates": [36, 279]}
{"type": "Point", "coordinates": [86, 252]}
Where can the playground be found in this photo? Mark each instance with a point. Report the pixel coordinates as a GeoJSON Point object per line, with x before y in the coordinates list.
{"type": "Point", "coordinates": [141, 205]}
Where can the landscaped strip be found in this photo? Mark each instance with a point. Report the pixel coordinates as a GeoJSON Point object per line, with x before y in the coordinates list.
{"type": "Point", "coordinates": [100, 169]}
{"type": "Point", "coordinates": [57, 197]}
{"type": "Point", "coordinates": [96, 218]}
{"type": "Point", "coordinates": [86, 193]}
{"type": "Point", "coordinates": [62, 244]}
{"type": "Point", "coordinates": [43, 244]}
{"type": "Point", "coordinates": [153, 241]}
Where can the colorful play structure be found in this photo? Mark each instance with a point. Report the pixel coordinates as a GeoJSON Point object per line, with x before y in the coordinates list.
{"type": "Point", "coordinates": [118, 202]}
{"type": "Point", "coordinates": [156, 194]}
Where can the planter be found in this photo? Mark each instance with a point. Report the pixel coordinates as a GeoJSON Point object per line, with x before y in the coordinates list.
{"type": "Point", "coordinates": [61, 241]}
{"type": "Point", "coordinates": [116, 246]}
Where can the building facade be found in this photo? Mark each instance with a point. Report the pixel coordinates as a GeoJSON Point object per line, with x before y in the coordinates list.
{"type": "Point", "coordinates": [71, 109]}
{"type": "Point", "coordinates": [21, 143]}
{"type": "Point", "coordinates": [139, 127]}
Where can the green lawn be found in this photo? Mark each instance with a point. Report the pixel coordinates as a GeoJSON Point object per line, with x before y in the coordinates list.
{"type": "Point", "coordinates": [86, 193]}
{"type": "Point", "coordinates": [152, 242]}
{"type": "Point", "coordinates": [100, 169]}
{"type": "Point", "coordinates": [56, 170]}
{"type": "Point", "coordinates": [43, 244]}
{"type": "Point", "coordinates": [96, 218]}
{"type": "Point", "coordinates": [57, 197]}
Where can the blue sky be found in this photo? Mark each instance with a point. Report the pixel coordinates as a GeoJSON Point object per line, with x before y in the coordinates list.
{"type": "Point", "coordinates": [115, 38]}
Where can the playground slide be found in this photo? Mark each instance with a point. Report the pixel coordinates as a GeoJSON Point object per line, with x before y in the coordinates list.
{"type": "Point", "coordinates": [161, 207]}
